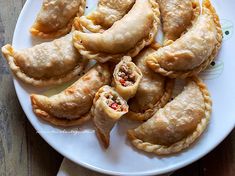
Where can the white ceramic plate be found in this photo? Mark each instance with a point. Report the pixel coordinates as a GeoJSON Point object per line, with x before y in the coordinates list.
{"type": "Point", "coordinates": [82, 146]}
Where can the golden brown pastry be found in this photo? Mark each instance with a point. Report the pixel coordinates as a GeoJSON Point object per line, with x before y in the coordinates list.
{"type": "Point", "coordinates": [46, 64]}
{"type": "Point", "coordinates": [177, 16]}
{"type": "Point", "coordinates": [108, 108]}
{"type": "Point", "coordinates": [177, 125]}
{"type": "Point", "coordinates": [153, 92]}
{"type": "Point", "coordinates": [107, 12]}
{"type": "Point", "coordinates": [56, 17]}
{"type": "Point", "coordinates": [126, 78]}
{"type": "Point", "coordinates": [71, 106]}
{"type": "Point", "coordinates": [193, 51]}
{"type": "Point", "coordinates": [127, 36]}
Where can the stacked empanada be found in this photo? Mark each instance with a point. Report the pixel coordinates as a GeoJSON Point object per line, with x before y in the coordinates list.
{"type": "Point", "coordinates": [133, 76]}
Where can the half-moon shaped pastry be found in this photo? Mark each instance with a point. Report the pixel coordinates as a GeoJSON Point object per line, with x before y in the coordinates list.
{"type": "Point", "coordinates": [127, 36]}
{"type": "Point", "coordinates": [56, 17]}
{"type": "Point", "coordinates": [46, 64]}
{"type": "Point", "coordinates": [153, 92]}
{"type": "Point", "coordinates": [108, 108]}
{"type": "Point", "coordinates": [71, 106]}
{"type": "Point", "coordinates": [177, 125]}
{"type": "Point", "coordinates": [126, 78]}
{"type": "Point", "coordinates": [193, 51]}
{"type": "Point", "coordinates": [177, 16]}
{"type": "Point", "coordinates": [108, 12]}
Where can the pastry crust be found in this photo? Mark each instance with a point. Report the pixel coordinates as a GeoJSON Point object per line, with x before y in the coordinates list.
{"type": "Point", "coordinates": [56, 17]}
{"type": "Point", "coordinates": [126, 78]}
{"type": "Point", "coordinates": [72, 106]}
{"type": "Point", "coordinates": [46, 64]}
{"type": "Point", "coordinates": [167, 147]}
{"type": "Point", "coordinates": [154, 90]}
{"type": "Point", "coordinates": [127, 36]}
{"type": "Point", "coordinates": [177, 16]}
{"type": "Point", "coordinates": [107, 12]}
{"type": "Point", "coordinates": [193, 51]}
{"type": "Point", "coordinates": [56, 121]}
{"type": "Point", "coordinates": [108, 108]}
{"type": "Point", "coordinates": [153, 93]}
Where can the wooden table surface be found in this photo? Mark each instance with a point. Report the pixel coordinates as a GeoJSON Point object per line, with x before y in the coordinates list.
{"type": "Point", "coordinates": [24, 152]}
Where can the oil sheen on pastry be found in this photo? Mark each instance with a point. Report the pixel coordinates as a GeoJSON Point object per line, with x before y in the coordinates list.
{"type": "Point", "coordinates": [193, 51]}
{"type": "Point", "coordinates": [107, 12]}
{"type": "Point", "coordinates": [153, 92]}
{"type": "Point", "coordinates": [46, 64]}
{"type": "Point", "coordinates": [71, 106]}
{"type": "Point", "coordinates": [127, 77]}
{"type": "Point", "coordinates": [56, 17]}
{"type": "Point", "coordinates": [178, 124]}
{"type": "Point", "coordinates": [177, 16]}
{"type": "Point", "coordinates": [127, 36]}
{"type": "Point", "coordinates": [108, 108]}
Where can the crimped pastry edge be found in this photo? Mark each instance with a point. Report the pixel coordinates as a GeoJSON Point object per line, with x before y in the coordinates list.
{"type": "Point", "coordinates": [196, 12]}
{"type": "Point", "coordinates": [89, 25]}
{"type": "Point", "coordinates": [57, 121]}
{"type": "Point", "coordinates": [154, 65]}
{"type": "Point", "coordinates": [8, 51]}
{"type": "Point", "coordinates": [66, 29]}
{"type": "Point", "coordinates": [104, 57]}
{"type": "Point", "coordinates": [159, 104]}
{"type": "Point", "coordinates": [184, 143]}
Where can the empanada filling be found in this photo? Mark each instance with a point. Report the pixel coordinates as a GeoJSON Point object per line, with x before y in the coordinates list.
{"type": "Point", "coordinates": [115, 102]}
{"type": "Point", "coordinates": [126, 76]}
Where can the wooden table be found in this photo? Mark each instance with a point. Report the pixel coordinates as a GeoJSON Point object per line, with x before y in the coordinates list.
{"type": "Point", "coordinates": [24, 152]}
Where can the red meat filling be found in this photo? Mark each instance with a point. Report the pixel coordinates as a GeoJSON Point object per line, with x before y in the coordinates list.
{"type": "Point", "coordinates": [126, 77]}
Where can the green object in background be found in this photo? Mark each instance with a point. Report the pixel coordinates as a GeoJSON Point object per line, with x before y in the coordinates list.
{"type": "Point", "coordinates": [227, 28]}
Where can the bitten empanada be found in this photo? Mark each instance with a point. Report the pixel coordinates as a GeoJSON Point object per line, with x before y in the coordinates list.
{"type": "Point", "coordinates": [177, 125]}
{"type": "Point", "coordinates": [71, 106]}
{"type": "Point", "coordinates": [127, 36]}
{"type": "Point", "coordinates": [193, 51]}
{"type": "Point", "coordinates": [126, 78]}
{"type": "Point", "coordinates": [108, 108]}
{"type": "Point", "coordinates": [177, 16]}
{"type": "Point", "coordinates": [153, 92]}
{"type": "Point", "coordinates": [46, 64]}
{"type": "Point", "coordinates": [56, 17]}
{"type": "Point", "coordinates": [107, 12]}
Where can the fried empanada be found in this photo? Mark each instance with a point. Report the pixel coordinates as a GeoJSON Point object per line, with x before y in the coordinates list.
{"type": "Point", "coordinates": [107, 12]}
{"type": "Point", "coordinates": [126, 78]}
{"type": "Point", "coordinates": [46, 64]}
{"type": "Point", "coordinates": [56, 17]}
{"type": "Point", "coordinates": [193, 51]}
{"type": "Point", "coordinates": [108, 108]}
{"type": "Point", "coordinates": [153, 93]}
{"type": "Point", "coordinates": [177, 125]}
{"type": "Point", "coordinates": [177, 16]}
{"type": "Point", "coordinates": [71, 106]}
{"type": "Point", "coordinates": [127, 36]}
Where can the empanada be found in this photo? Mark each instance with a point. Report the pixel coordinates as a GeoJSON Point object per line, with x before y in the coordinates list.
{"type": "Point", "coordinates": [126, 78]}
{"type": "Point", "coordinates": [127, 36]}
{"type": "Point", "coordinates": [56, 17]}
{"type": "Point", "coordinates": [71, 106]}
{"type": "Point", "coordinates": [108, 108]}
{"type": "Point", "coordinates": [153, 92]}
{"type": "Point", "coordinates": [177, 16]}
{"type": "Point", "coordinates": [193, 51]}
{"type": "Point", "coordinates": [107, 12]}
{"type": "Point", "coordinates": [46, 64]}
{"type": "Point", "coordinates": [177, 125]}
